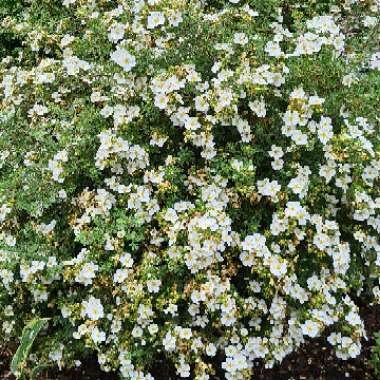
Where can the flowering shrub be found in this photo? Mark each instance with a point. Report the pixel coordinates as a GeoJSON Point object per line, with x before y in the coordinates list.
{"type": "Point", "coordinates": [190, 178]}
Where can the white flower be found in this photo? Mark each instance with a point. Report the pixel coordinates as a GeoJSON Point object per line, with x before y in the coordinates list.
{"type": "Point", "coordinates": [277, 164]}
{"type": "Point", "coordinates": [201, 103]}
{"type": "Point", "coordinates": [161, 101]}
{"type": "Point", "coordinates": [97, 335]}
{"type": "Point", "coordinates": [225, 98]}
{"type": "Point", "coordinates": [185, 333]}
{"type": "Point", "coordinates": [66, 3]}
{"type": "Point", "coordinates": [62, 194]}
{"type": "Point", "coordinates": [211, 349]}
{"type": "Point", "coordinates": [120, 275]}
{"type": "Point", "coordinates": [310, 328]}
{"type": "Point", "coordinates": [87, 273]}
{"type": "Point", "coordinates": [65, 311]}
{"type": "Point", "coordinates": [291, 118]}
{"type": "Point", "coordinates": [236, 164]}
{"type": "Point", "coordinates": [175, 19]}
{"type": "Point", "coordinates": [66, 40]}
{"type": "Point", "coordinates": [334, 339]}
{"type": "Point", "coordinates": [240, 38]}
{"type": "Point", "coordinates": [325, 130]}
{"type": "Point", "coordinates": [273, 49]}
{"type": "Point", "coordinates": [126, 260]}
{"type": "Point", "coordinates": [321, 241]}
{"type": "Point", "coordinates": [253, 242]}
{"type": "Point", "coordinates": [116, 32]}
{"type": "Point", "coordinates": [276, 152]}
{"type": "Point", "coordinates": [153, 329]}
{"type": "Point", "coordinates": [183, 370]}
{"type": "Point", "coordinates": [349, 79]}
{"type": "Point", "coordinates": [353, 318]}
{"type": "Point", "coordinates": [123, 58]}
{"type": "Point", "coordinates": [56, 169]}
{"type": "Point", "coordinates": [327, 172]}
{"type": "Point", "coordinates": [316, 100]}
{"type": "Point", "coordinates": [155, 19]}
{"type": "Point", "coordinates": [258, 107]}
{"type": "Point", "coordinates": [299, 138]}
{"type": "Point", "coordinates": [369, 21]}
{"type": "Point", "coordinates": [169, 342]}
{"type": "Point", "coordinates": [153, 286]}
{"type": "Point", "coordinates": [374, 62]}
{"type": "Point", "coordinates": [354, 350]}
{"type": "Point", "coordinates": [137, 332]}
{"type": "Point", "coordinates": [158, 140]}
{"type": "Point", "coordinates": [38, 109]}
{"type": "Point", "coordinates": [278, 266]}
{"type": "Point", "coordinates": [46, 229]}
{"type": "Point", "coordinates": [192, 123]}
{"type": "Point", "coordinates": [292, 209]}
{"type": "Point", "coordinates": [73, 65]}
{"type": "Point", "coordinates": [93, 308]}
{"type": "Point", "coordinates": [268, 188]}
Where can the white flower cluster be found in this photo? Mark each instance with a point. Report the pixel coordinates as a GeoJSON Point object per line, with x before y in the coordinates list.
{"type": "Point", "coordinates": [56, 165]}
{"type": "Point", "coordinates": [112, 149]}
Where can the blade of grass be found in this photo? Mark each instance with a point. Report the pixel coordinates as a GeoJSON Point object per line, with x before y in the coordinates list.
{"type": "Point", "coordinates": [29, 334]}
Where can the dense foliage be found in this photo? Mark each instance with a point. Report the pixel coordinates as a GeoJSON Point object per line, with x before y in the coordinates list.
{"type": "Point", "coordinates": [191, 179]}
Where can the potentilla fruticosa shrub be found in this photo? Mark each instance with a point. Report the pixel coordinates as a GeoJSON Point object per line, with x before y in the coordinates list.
{"type": "Point", "coordinates": [190, 180]}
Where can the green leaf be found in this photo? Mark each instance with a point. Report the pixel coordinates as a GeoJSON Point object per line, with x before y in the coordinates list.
{"type": "Point", "coordinates": [37, 370]}
{"type": "Point", "coordinates": [29, 334]}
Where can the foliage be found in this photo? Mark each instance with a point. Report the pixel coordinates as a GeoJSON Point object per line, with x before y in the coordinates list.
{"type": "Point", "coordinates": [375, 355]}
{"type": "Point", "coordinates": [198, 179]}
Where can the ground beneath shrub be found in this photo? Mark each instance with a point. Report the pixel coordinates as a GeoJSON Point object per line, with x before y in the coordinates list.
{"type": "Point", "coordinates": [314, 361]}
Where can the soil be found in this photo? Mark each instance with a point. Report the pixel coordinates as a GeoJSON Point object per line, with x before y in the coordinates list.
{"type": "Point", "coordinates": [314, 361]}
